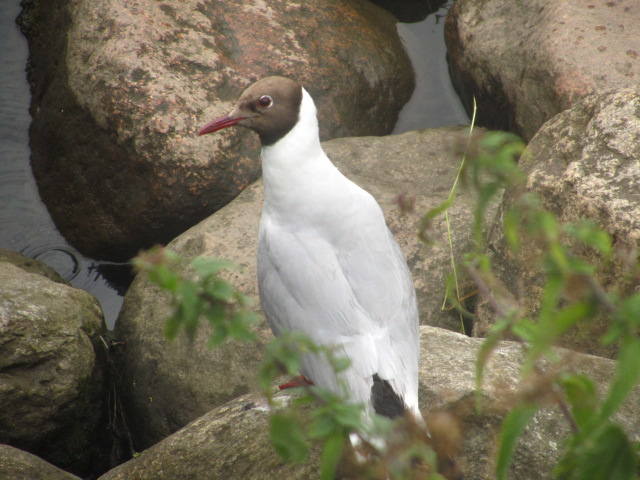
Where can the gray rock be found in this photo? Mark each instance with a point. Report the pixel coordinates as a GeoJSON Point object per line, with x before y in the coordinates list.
{"type": "Point", "coordinates": [19, 465]}
{"type": "Point", "coordinates": [120, 89]}
{"type": "Point", "coordinates": [232, 441]}
{"type": "Point", "coordinates": [527, 61]}
{"type": "Point", "coordinates": [447, 382]}
{"type": "Point", "coordinates": [583, 163]}
{"type": "Point", "coordinates": [51, 379]}
{"type": "Point", "coordinates": [167, 384]}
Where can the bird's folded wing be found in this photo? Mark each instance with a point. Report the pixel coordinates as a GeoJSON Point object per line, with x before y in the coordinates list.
{"type": "Point", "coordinates": [356, 294]}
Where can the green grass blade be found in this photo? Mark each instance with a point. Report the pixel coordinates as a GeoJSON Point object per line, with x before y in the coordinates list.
{"type": "Point", "coordinates": [331, 454]}
{"type": "Point", "coordinates": [512, 428]}
{"type": "Point", "coordinates": [626, 377]}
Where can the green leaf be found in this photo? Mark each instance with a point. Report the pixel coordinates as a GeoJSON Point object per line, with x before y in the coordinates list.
{"type": "Point", "coordinates": [164, 277]}
{"type": "Point", "coordinates": [582, 396]}
{"type": "Point", "coordinates": [322, 426]}
{"type": "Point", "coordinates": [189, 306]}
{"type": "Point", "coordinates": [215, 313]}
{"type": "Point", "coordinates": [427, 218]}
{"type": "Point", "coordinates": [626, 376]}
{"type": "Point", "coordinates": [171, 326]}
{"type": "Point", "coordinates": [266, 374]}
{"type": "Point", "coordinates": [340, 364]}
{"type": "Point", "coordinates": [552, 326]}
{"type": "Point", "coordinates": [525, 328]}
{"type": "Point", "coordinates": [218, 335]}
{"type": "Point", "coordinates": [608, 456]}
{"type": "Point", "coordinates": [287, 437]}
{"type": "Point", "coordinates": [547, 225]}
{"type": "Point", "coordinates": [207, 266]}
{"type": "Point", "coordinates": [626, 316]}
{"type": "Point", "coordinates": [629, 310]}
{"type": "Point", "coordinates": [348, 415]}
{"type": "Point", "coordinates": [331, 454]}
{"type": "Point", "coordinates": [512, 427]}
{"type": "Point", "coordinates": [240, 326]}
{"type": "Point", "coordinates": [591, 235]}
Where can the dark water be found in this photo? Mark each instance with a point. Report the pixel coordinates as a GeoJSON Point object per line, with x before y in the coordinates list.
{"type": "Point", "coordinates": [25, 225]}
{"type": "Point", "coordinates": [434, 102]}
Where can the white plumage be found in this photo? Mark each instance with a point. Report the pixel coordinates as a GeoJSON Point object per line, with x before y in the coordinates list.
{"type": "Point", "coordinates": [329, 267]}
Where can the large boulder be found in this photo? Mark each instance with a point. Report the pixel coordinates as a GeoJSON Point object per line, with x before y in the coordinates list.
{"type": "Point", "coordinates": [232, 441]}
{"type": "Point", "coordinates": [167, 384]}
{"type": "Point", "coordinates": [51, 368]}
{"type": "Point", "coordinates": [526, 61]}
{"type": "Point", "coordinates": [583, 164]}
{"type": "Point", "coordinates": [120, 89]}
{"type": "Point", "coordinates": [19, 465]}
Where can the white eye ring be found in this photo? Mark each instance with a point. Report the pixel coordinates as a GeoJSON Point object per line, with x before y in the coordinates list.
{"type": "Point", "coordinates": [265, 101]}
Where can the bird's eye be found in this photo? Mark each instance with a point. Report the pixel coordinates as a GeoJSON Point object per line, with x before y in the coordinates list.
{"type": "Point", "coordinates": [265, 101]}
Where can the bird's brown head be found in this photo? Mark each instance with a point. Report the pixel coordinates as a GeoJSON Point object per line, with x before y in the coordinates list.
{"type": "Point", "coordinates": [270, 107]}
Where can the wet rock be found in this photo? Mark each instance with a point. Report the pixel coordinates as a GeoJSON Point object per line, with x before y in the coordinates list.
{"type": "Point", "coordinates": [167, 384]}
{"type": "Point", "coordinates": [232, 440]}
{"type": "Point", "coordinates": [30, 265]}
{"type": "Point", "coordinates": [19, 465]}
{"type": "Point", "coordinates": [527, 61]}
{"type": "Point", "coordinates": [51, 372]}
{"type": "Point", "coordinates": [583, 164]}
{"type": "Point", "coordinates": [120, 89]}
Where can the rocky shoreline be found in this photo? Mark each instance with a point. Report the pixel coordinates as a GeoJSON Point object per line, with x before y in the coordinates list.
{"type": "Point", "coordinates": [118, 92]}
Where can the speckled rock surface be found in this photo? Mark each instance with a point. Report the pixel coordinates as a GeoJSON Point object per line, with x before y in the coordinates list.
{"type": "Point", "coordinates": [232, 441]}
{"type": "Point", "coordinates": [527, 61]}
{"type": "Point", "coordinates": [447, 382]}
{"type": "Point", "coordinates": [51, 380]}
{"type": "Point", "coordinates": [120, 89]}
{"type": "Point", "coordinates": [167, 384]}
{"type": "Point", "coordinates": [19, 465]}
{"type": "Point", "coordinates": [584, 164]}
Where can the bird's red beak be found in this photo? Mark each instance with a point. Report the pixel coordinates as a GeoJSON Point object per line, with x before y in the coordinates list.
{"type": "Point", "coordinates": [219, 124]}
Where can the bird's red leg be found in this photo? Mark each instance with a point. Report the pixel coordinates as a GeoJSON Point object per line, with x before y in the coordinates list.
{"type": "Point", "coordinates": [299, 381]}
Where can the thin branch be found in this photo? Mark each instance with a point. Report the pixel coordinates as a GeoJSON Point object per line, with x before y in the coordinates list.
{"type": "Point", "coordinates": [601, 294]}
{"type": "Point", "coordinates": [486, 293]}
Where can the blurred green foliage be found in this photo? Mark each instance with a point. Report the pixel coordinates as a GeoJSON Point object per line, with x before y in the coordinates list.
{"type": "Point", "coordinates": [596, 448]}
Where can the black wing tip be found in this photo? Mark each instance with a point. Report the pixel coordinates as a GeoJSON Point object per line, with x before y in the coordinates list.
{"type": "Point", "coordinates": [385, 400]}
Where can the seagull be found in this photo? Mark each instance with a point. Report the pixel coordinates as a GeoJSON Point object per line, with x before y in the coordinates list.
{"type": "Point", "coordinates": [328, 265]}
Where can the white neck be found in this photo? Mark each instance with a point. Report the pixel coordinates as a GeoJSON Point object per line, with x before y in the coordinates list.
{"type": "Point", "coordinates": [296, 160]}
{"type": "Point", "coordinates": [301, 141]}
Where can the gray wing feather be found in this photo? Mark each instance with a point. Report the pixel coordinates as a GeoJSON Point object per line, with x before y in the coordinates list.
{"type": "Point", "coordinates": [353, 290]}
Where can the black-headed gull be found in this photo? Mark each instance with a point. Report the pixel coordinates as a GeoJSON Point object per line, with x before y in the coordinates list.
{"type": "Point", "coordinates": [328, 266]}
